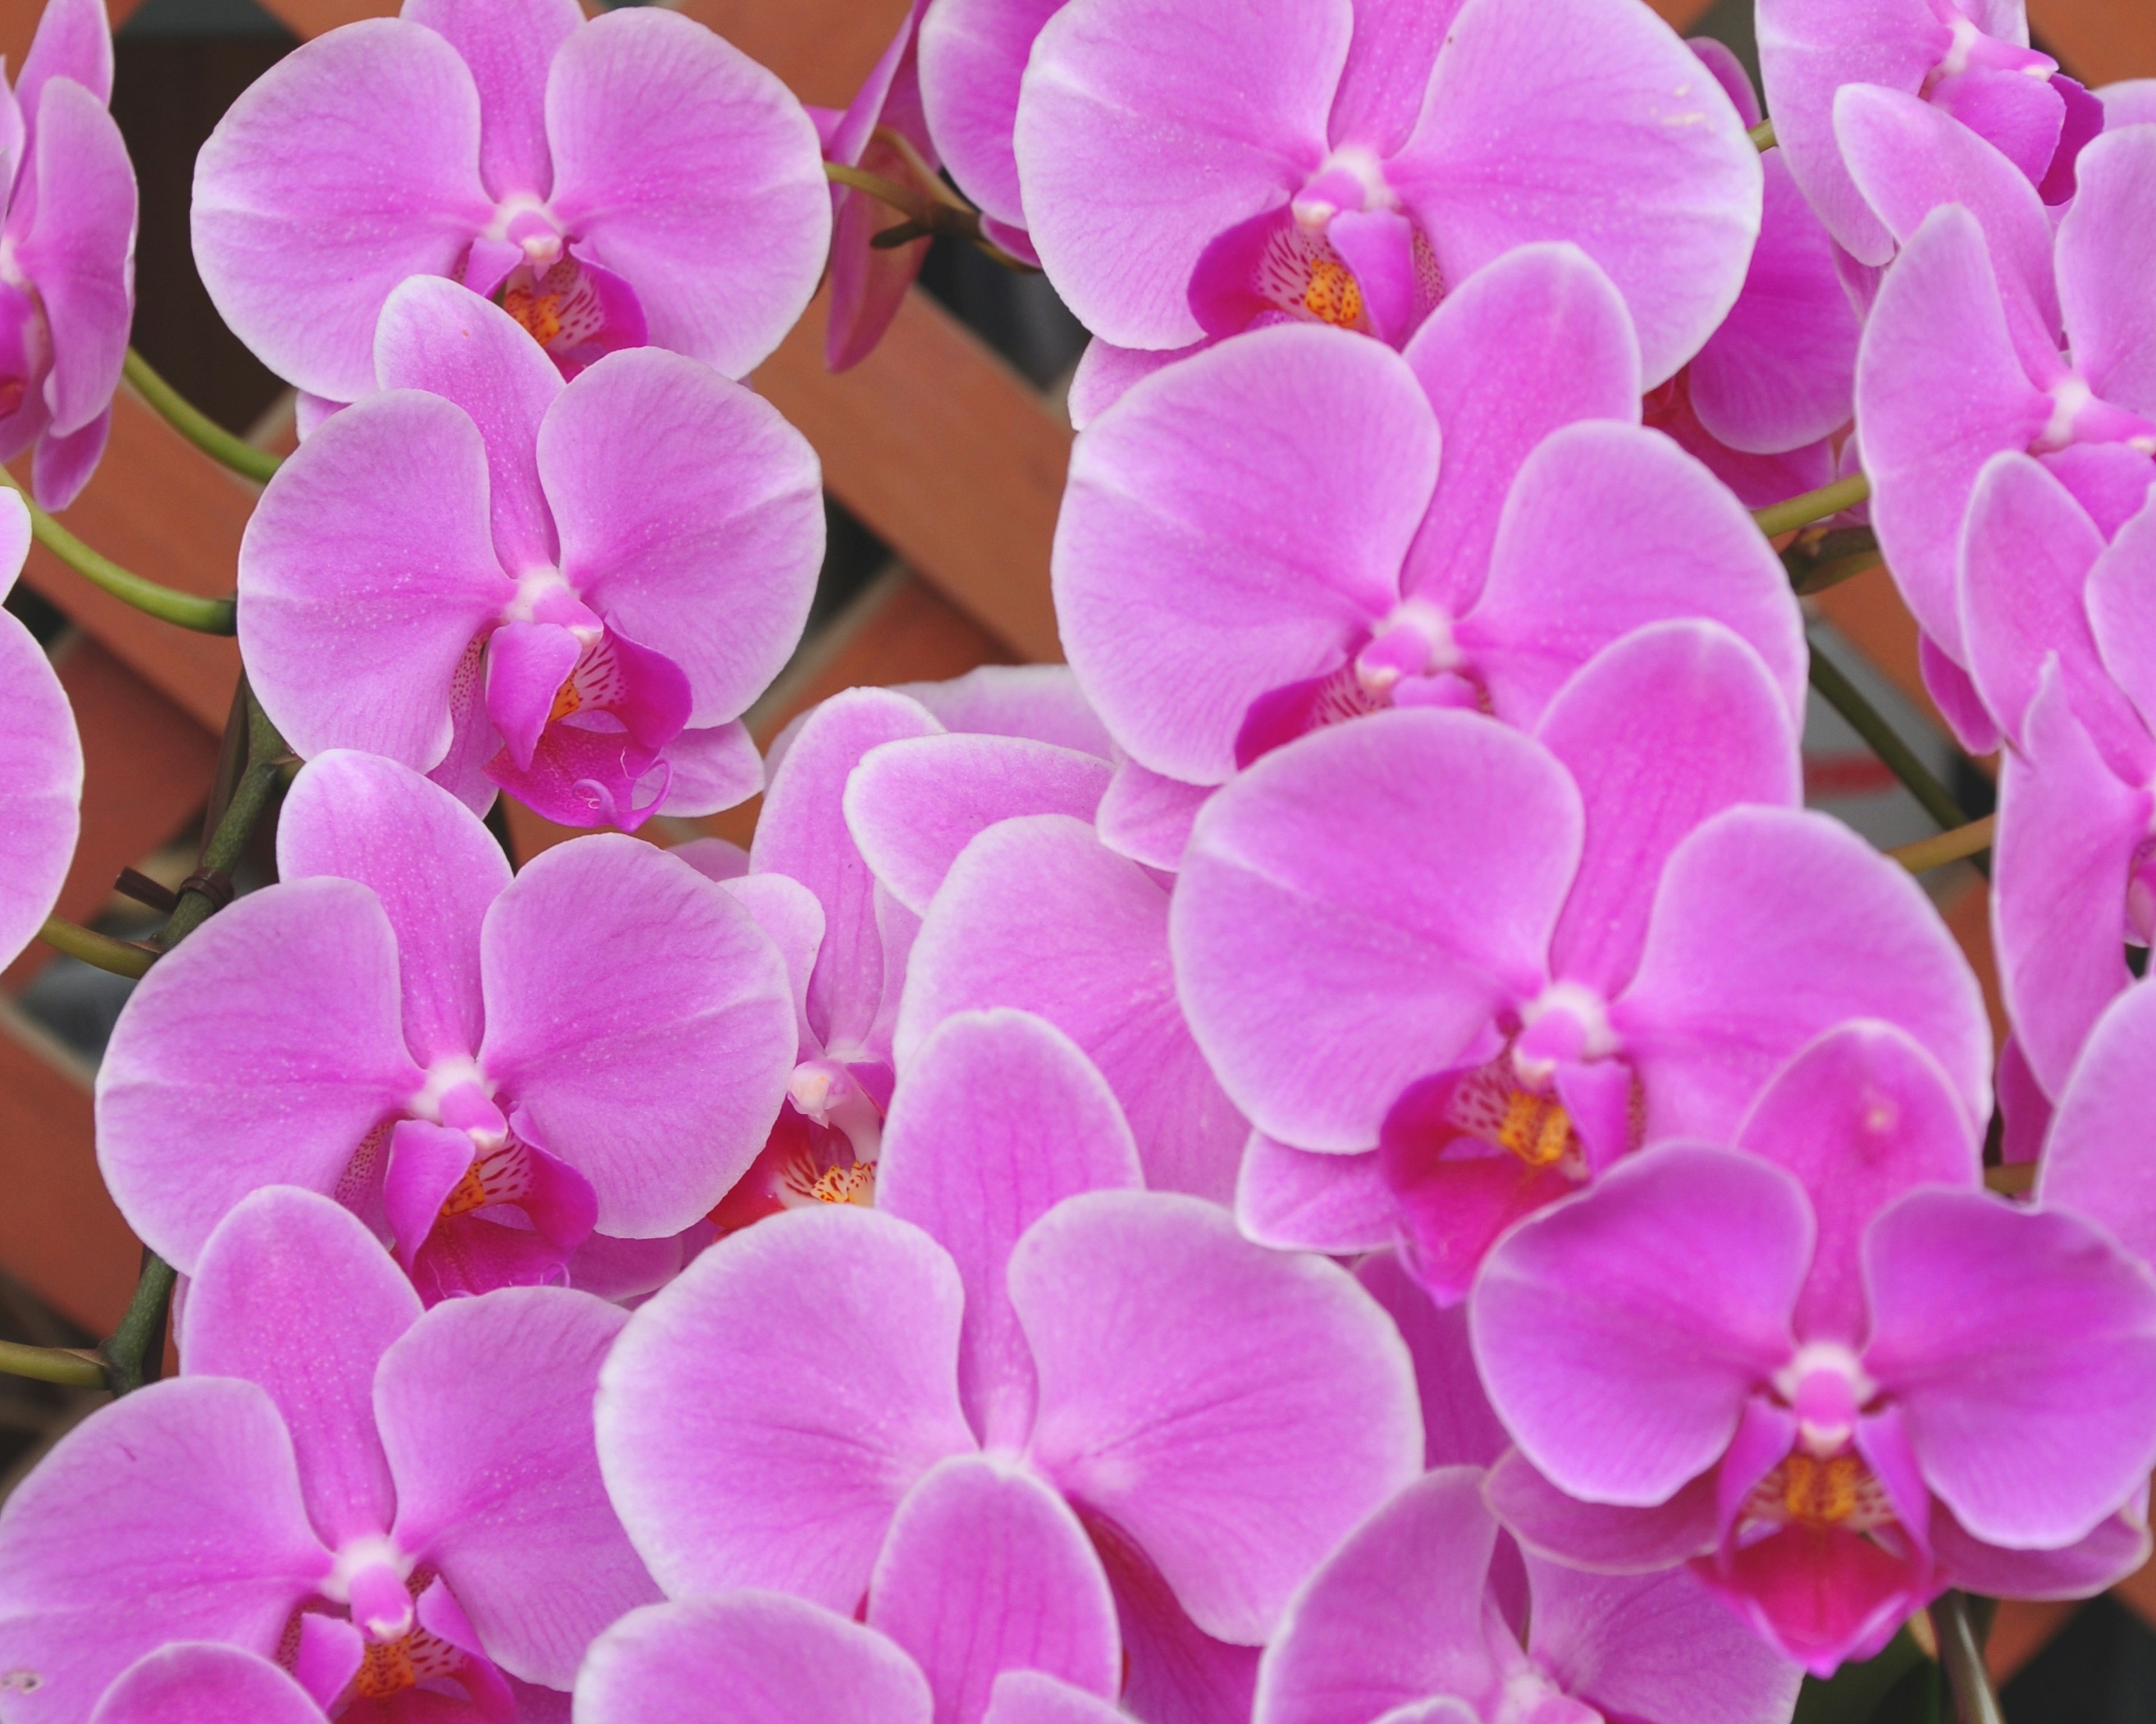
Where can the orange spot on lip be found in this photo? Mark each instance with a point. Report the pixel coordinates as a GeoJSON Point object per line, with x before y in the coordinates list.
{"type": "Point", "coordinates": [1536, 1129]}
{"type": "Point", "coordinates": [1333, 296]}
{"type": "Point", "coordinates": [386, 1667]}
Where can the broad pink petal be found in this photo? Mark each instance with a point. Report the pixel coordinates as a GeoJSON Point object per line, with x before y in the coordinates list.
{"type": "Point", "coordinates": [80, 251]}
{"type": "Point", "coordinates": [1938, 393]}
{"type": "Point", "coordinates": [1910, 156]}
{"type": "Point", "coordinates": [1237, 523]}
{"type": "Point", "coordinates": [73, 40]}
{"type": "Point", "coordinates": [2131, 101]}
{"type": "Point", "coordinates": [1778, 374]}
{"type": "Point", "coordinates": [1659, 1646]}
{"type": "Point", "coordinates": [762, 1657]}
{"type": "Point", "coordinates": [1539, 339]}
{"type": "Point", "coordinates": [350, 166]}
{"type": "Point", "coordinates": [912, 806]}
{"type": "Point", "coordinates": [2021, 1348]}
{"type": "Point", "coordinates": [484, 1406]}
{"type": "Point", "coordinates": [2118, 1548]}
{"type": "Point", "coordinates": [1037, 913]}
{"type": "Point", "coordinates": [2020, 116]}
{"type": "Point", "coordinates": [436, 336]}
{"type": "Point", "coordinates": [2111, 226]}
{"type": "Point", "coordinates": [785, 909]}
{"type": "Point", "coordinates": [292, 1292]}
{"type": "Point", "coordinates": [1235, 1456]}
{"type": "Point", "coordinates": [1770, 927]}
{"type": "Point", "coordinates": [762, 1417]}
{"type": "Point", "coordinates": [509, 48]}
{"type": "Point", "coordinates": [173, 1515]}
{"type": "Point", "coordinates": [1661, 730]}
{"type": "Point", "coordinates": [1300, 1200]}
{"type": "Point", "coordinates": [802, 833]}
{"type": "Point", "coordinates": [1394, 1615]}
{"type": "Point", "coordinates": [690, 171]}
{"type": "Point", "coordinates": [1538, 110]}
{"type": "Point", "coordinates": [707, 539]}
{"type": "Point", "coordinates": [1144, 130]}
{"type": "Point", "coordinates": [1029, 1697]}
{"type": "Point", "coordinates": [1401, 943]}
{"type": "Point", "coordinates": [997, 1119]}
{"type": "Point", "coordinates": [199, 1682]}
{"type": "Point", "coordinates": [1176, 1672]}
{"type": "Point", "coordinates": [1042, 701]}
{"type": "Point", "coordinates": [40, 775]}
{"type": "Point", "coordinates": [973, 55]}
{"type": "Point", "coordinates": [1387, 76]}
{"type": "Point", "coordinates": [1621, 1332]}
{"type": "Point", "coordinates": [1609, 526]}
{"type": "Point", "coordinates": [1861, 1117]}
{"type": "Point", "coordinates": [62, 465]}
{"type": "Point", "coordinates": [2068, 835]}
{"type": "Point", "coordinates": [644, 1020]}
{"type": "Point", "coordinates": [367, 571]}
{"type": "Point", "coordinates": [1147, 817]}
{"type": "Point", "coordinates": [1106, 374]}
{"type": "Point", "coordinates": [262, 1052]}
{"type": "Point", "coordinates": [1460, 1429]}
{"type": "Point", "coordinates": [985, 1570]}
{"type": "Point", "coordinates": [1599, 1537]}
{"type": "Point", "coordinates": [712, 768]}
{"type": "Point", "coordinates": [433, 866]}
{"type": "Point", "coordinates": [2028, 550]}
{"type": "Point", "coordinates": [2095, 1160]}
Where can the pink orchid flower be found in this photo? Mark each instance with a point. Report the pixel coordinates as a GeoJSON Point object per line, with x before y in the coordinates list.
{"type": "Point", "coordinates": [2096, 1161]}
{"type": "Point", "coordinates": [1000, 741]}
{"type": "Point", "coordinates": [67, 252]}
{"type": "Point", "coordinates": [1760, 401]}
{"type": "Point", "coordinates": [1969, 59]}
{"type": "Point", "coordinates": [201, 1682]}
{"type": "Point", "coordinates": [1452, 973]}
{"type": "Point", "coordinates": [974, 56]}
{"type": "Point", "coordinates": [1353, 161]}
{"type": "Point", "coordinates": [484, 1068]}
{"type": "Point", "coordinates": [40, 762]}
{"type": "Point", "coordinates": [2055, 623]}
{"type": "Point", "coordinates": [1962, 355]}
{"type": "Point", "coordinates": [970, 1604]}
{"type": "Point", "coordinates": [384, 1501]}
{"type": "Point", "coordinates": [1298, 527]}
{"type": "Point", "coordinates": [572, 593]}
{"type": "Point", "coordinates": [627, 179]}
{"type": "Point", "coordinates": [1825, 1365]}
{"type": "Point", "coordinates": [1407, 1621]}
{"type": "Point", "coordinates": [779, 1415]}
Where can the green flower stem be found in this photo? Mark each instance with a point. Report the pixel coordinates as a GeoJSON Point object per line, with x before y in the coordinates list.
{"type": "Point", "coordinates": [1763, 135]}
{"type": "Point", "coordinates": [1895, 755]}
{"type": "Point", "coordinates": [135, 1354]}
{"type": "Point", "coordinates": [205, 616]}
{"type": "Point", "coordinates": [61, 1365]}
{"type": "Point", "coordinates": [266, 757]}
{"type": "Point", "coordinates": [191, 422]}
{"type": "Point", "coordinates": [926, 216]}
{"type": "Point", "coordinates": [101, 951]}
{"type": "Point", "coordinates": [1813, 506]}
{"type": "Point", "coordinates": [1956, 845]}
{"type": "Point", "coordinates": [1961, 1656]}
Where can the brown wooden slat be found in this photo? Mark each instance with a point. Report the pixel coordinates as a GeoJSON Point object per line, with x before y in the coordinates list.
{"type": "Point", "coordinates": [2098, 41]}
{"type": "Point", "coordinates": [60, 1234]}
{"type": "Point", "coordinates": [165, 510]}
{"type": "Point", "coordinates": [946, 454]}
{"type": "Point", "coordinates": [1869, 612]}
{"type": "Point", "coordinates": [147, 765]}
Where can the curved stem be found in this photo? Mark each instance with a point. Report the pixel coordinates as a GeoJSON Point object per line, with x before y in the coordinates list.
{"type": "Point", "coordinates": [205, 616]}
{"type": "Point", "coordinates": [1763, 135]}
{"type": "Point", "coordinates": [191, 422]}
{"type": "Point", "coordinates": [129, 1361]}
{"type": "Point", "coordinates": [61, 1365]}
{"type": "Point", "coordinates": [1956, 845]}
{"type": "Point", "coordinates": [1829, 500]}
{"type": "Point", "coordinates": [1884, 741]}
{"type": "Point", "coordinates": [101, 951]}
{"type": "Point", "coordinates": [1961, 1656]}
{"type": "Point", "coordinates": [926, 216]}
{"type": "Point", "coordinates": [266, 756]}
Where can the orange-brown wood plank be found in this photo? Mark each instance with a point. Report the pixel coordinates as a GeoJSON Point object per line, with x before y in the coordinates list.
{"type": "Point", "coordinates": [946, 454]}
{"type": "Point", "coordinates": [161, 507]}
{"type": "Point", "coordinates": [146, 766]}
{"type": "Point", "coordinates": [2098, 41]}
{"type": "Point", "coordinates": [1869, 612]}
{"type": "Point", "coordinates": [59, 1234]}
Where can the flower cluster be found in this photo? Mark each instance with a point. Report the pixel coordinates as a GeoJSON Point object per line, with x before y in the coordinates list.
{"type": "Point", "coordinates": [1355, 1154]}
